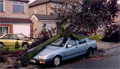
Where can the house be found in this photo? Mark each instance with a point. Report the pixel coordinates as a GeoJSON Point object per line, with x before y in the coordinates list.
{"type": "Point", "coordinates": [14, 17]}
{"type": "Point", "coordinates": [40, 13]}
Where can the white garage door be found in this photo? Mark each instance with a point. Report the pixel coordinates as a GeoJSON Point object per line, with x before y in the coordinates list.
{"type": "Point", "coordinates": [21, 28]}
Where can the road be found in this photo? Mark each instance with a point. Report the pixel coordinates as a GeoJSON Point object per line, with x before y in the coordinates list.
{"type": "Point", "coordinates": [110, 59]}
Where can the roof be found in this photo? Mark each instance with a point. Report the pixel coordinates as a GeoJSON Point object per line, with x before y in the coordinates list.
{"type": "Point", "coordinates": [45, 17]}
{"type": "Point", "coordinates": [21, 0]}
{"type": "Point", "coordinates": [14, 20]}
{"type": "Point", "coordinates": [40, 2]}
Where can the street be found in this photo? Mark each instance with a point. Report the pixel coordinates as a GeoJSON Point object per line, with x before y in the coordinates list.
{"type": "Point", "coordinates": [110, 59]}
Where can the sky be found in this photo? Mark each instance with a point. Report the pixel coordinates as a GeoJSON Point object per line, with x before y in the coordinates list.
{"type": "Point", "coordinates": [31, 1]}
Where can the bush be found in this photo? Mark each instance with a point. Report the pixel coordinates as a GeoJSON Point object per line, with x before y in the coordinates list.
{"type": "Point", "coordinates": [17, 45]}
{"type": "Point", "coordinates": [112, 34]}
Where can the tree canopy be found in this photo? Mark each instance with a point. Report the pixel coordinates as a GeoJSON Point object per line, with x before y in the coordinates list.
{"type": "Point", "coordinates": [87, 15]}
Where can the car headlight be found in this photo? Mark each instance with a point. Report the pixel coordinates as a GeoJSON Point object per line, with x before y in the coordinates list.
{"type": "Point", "coordinates": [41, 57]}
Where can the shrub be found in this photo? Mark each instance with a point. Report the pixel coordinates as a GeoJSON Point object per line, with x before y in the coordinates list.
{"type": "Point", "coordinates": [112, 34]}
{"type": "Point", "coordinates": [17, 45]}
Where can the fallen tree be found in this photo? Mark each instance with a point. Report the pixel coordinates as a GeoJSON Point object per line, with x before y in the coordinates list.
{"type": "Point", "coordinates": [77, 17]}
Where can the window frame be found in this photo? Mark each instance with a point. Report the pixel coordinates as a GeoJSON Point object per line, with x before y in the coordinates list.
{"type": "Point", "coordinates": [47, 26]}
{"type": "Point", "coordinates": [2, 30]}
{"type": "Point", "coordinates": [16, 3]}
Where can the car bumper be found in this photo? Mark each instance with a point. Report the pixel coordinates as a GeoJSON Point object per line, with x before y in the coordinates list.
{"type": "Point", "coordinates": [48, 61]}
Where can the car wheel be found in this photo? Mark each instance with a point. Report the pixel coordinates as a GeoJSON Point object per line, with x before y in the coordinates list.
{"type": "Point", "coordinates": [1, 45]}
{"type": "Point", "coordinates": [89, 53]}
{"type": "Point", "coordinates": [57, 61]}
{"type": "Point", "coordinates": [25, 45]}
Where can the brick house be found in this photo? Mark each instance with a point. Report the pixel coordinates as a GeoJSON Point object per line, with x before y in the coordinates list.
{"type": "Point", "coordinates": [14, 17]}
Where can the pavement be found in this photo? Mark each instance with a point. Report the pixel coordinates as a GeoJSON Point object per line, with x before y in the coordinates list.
{"type": "Point", "coordinates": [107, 45]}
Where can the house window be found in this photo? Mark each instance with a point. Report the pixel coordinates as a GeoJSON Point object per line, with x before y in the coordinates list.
{"type": "Point", "coordinates": [47, 26]}
{"type": "Point", "coordinates": [18, 7]}
{"type": "Point", "coordinates": [3, 30]}
{"type": "Point", "coordinates": [1, 5]}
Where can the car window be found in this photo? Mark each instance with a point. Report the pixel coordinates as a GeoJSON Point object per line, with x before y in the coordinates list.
{"type": "Point", "coordinates": [6, 37]}
{"type": "Point", "coordinates": [60, 42]}
{"type": "Point", "coordinates": [12, 37]}
{"type": "Point", "coordinates": [82, 41]}
{"type": "Point", "coordinates": [20, 36]}
{"type": "Point", "coordinates": [72, 43]}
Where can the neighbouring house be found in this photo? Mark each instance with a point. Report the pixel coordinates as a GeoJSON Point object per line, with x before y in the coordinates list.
{"type": "Point", "coordinates": [42, 20]}
{"type": "Point", "coordinates": [40, 13]}
{"type": "Point", "coordinates": [14, 17]}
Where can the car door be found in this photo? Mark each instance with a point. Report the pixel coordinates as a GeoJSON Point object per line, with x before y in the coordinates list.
{"type": "Point", "coordinates": [82, 46]}
{"type": "Point", "coordinates": [4, 40]}
{"type": "Point", "coordinates": [71, 49]}
{"type": "Point", "coordinates": [12, 40]}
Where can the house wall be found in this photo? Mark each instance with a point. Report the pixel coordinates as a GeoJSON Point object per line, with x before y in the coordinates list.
{"type": "Point", "coordinates": [37, 26]}
{"type": "Point", "coordinates": [42, 9]}
{"type": "Point", "coordinates": [8, 10]}
{"type": "Point", "coordinates": [21, 28]}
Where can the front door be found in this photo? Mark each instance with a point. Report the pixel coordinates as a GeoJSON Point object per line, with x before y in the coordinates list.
{"type": "Point", "coordinates": [71, 49]}
{"type": "Point", "coordinates": [82, 46]}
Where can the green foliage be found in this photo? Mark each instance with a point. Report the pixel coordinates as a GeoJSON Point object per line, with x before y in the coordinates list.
{"type": "Point", "coordinates": [96, 37]}
{"type": "Point", "coordinates": [17, 45]}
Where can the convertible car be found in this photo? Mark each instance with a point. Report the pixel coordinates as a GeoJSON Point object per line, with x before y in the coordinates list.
{"type": "Point", "coordinates": [63, 49]}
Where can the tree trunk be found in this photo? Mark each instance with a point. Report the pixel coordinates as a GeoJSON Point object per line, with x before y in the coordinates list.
{"type": "Point", "coordinates": [31, 53]}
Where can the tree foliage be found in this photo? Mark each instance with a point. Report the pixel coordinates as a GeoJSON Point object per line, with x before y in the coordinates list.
{"type": "Point", "coordinates": [87, 16]}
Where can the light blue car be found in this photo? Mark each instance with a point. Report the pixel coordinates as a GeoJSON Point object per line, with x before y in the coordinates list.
{"type": "Point", "coordinates": [63, 49]}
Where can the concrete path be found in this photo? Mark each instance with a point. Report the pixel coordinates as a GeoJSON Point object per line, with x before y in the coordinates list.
{"type": "Point", "coordinates": [107, 45]}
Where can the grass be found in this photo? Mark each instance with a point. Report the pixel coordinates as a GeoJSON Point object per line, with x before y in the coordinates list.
{"type": "Point", "coordinates": [13, 49]}
{"type": "Point", "coordinates": [96, 37]}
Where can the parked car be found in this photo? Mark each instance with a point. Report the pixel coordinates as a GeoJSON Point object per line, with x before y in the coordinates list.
{"type": "Point", "coordinates": [11, 39]}
{"type": "Point", "coordinates": [63, 49]}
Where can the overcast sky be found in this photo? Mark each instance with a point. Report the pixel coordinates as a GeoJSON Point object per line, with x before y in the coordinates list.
{"type": "Point", "coordinates": [31, 1]}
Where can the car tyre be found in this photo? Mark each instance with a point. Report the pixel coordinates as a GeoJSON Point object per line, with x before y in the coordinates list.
{"type": "Point", "coordinates": [89, 53]}
{"type": "Point", "coordinates": [25, 45]}
{"type": "Point", "coordinates": [1, 45]}
{"type": "Point", "coordinates": [56, 61]}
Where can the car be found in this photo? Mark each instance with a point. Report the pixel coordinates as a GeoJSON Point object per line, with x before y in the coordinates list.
{"type": "Point", "coordinates": [63, 49]}
{"type": "Point", "coordinates": [11, 39]}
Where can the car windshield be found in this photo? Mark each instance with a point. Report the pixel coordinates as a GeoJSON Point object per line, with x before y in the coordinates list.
{"type": "Point", "coordinates": [60, 42]}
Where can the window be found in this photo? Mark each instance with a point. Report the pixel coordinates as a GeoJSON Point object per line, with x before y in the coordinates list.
{"type": "Point", "coordinates": [1, 5]}
{"type": "Point", "coordinates": [47, 26]}
{"type": "Point", "coordinates": [72, 42]}
{"type": "Point", "coordinates": [60, 42]}
{"type": "Point", "coordinates": [18, 7]}
{"type": "Point", "coordinates": [6, 37]}
{"type": "Point", "coordinates": [12, 37]}
{"type": "Point", "coordinates": [3, 30]}
{"type": "Point", "coordinates": [82, 41]}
